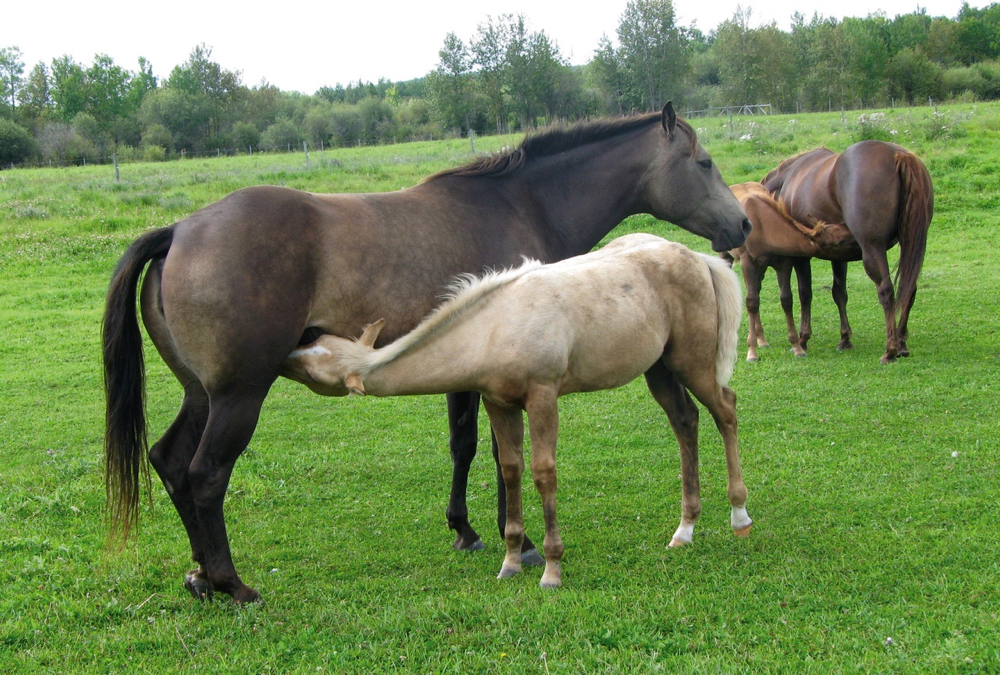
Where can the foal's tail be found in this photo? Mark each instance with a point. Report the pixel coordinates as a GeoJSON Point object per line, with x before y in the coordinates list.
{"type": "Point", "coordinates": [728, 300]}
{"type": "Point", "coordinates": [125, 442]}
{"type": "Point", "coordinates": [916, 210]}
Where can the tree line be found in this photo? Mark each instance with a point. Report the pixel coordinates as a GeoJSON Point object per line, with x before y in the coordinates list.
{"type": "Point", "coordinates": [505, 77]}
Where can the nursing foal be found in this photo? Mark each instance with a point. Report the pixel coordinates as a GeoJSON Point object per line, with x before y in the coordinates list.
{"type": "Point", "coordinates": [524, 337]}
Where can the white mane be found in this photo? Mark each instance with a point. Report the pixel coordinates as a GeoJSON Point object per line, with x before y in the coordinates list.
{"type": "Point", "coordinates": [466, 291]}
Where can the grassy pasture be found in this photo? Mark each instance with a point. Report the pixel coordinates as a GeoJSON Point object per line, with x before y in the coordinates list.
{"type": "Point", "coordinates": [874, 488]}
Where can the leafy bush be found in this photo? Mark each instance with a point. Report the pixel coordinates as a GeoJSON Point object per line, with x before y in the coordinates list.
{"type": "Point", "coordinates": [873, 127]}
{"type": "Point", "coordinates": [16, 143]}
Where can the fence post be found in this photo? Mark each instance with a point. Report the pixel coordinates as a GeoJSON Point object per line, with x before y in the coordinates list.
{"type": "Point", "coordinates": [114, 158]}
{"type": "Point", "coordinates": [305, 149]}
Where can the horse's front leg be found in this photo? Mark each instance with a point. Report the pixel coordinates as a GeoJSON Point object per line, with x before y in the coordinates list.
{"type": "Point", "coordinates": [543, 424]}
{"type": "Point", "coordinates": [840, 299]}
{"type": "Point", "coordinates": [508, 425]}
{"type": "Point", "coordinates": [463, 415]}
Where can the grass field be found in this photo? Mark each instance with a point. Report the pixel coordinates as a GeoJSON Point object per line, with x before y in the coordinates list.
{"type": "Point", "coordinates": [874, 488]}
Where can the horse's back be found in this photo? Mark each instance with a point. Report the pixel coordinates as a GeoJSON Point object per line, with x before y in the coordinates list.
{"type": "Point", "coordinates": [611, 313]}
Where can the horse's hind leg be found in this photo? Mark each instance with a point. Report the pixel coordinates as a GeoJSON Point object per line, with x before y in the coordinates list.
{"type": "Point", "coordinates": [231, 422]}
{"type": "Point", "coordinates": [171, 458]}
{"type": "Point", "coordinates": [721, 403]}
{"type": "Point", "coordinates": [683, 416]}
{"type": "Point", "coordinates": [877, 268]}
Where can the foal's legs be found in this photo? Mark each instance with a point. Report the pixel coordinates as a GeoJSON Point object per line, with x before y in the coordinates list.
{"type": "Point", "coordinates": [840, 299]}
{"type": "Point", "coordinates": [783, 270]}
{"type": "Point", "coordinates": [753, 277]}
{"type": "Point", "coordinates": [508, 425]}
{"type": "Point", "coordinates": [683, 416]}
{"type": "Point", "coordinates": [672, 396]}
{"type": "Point", "coordinates": [463, 411]}
{"type": "Point", "coordinates": [543, 424]}
{"type": "Point", "coordinates": [803, 275]}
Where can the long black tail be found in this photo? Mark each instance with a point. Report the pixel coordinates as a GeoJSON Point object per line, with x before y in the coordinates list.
{"type": "Point", "coordinates": [125, 442]}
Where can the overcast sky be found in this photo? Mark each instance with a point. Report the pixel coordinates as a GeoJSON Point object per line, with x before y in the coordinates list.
{"type": "Point", "coordinates": [302, 45]}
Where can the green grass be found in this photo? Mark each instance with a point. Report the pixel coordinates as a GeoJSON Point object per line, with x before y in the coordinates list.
{"type": "Point", "coordinates": [873, 487]}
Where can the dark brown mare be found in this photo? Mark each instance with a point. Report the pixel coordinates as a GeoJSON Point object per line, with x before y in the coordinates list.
{"type": "Point", "coordinates": [883, 194]}
{"type": "Point", "coordinates": [231, 290]}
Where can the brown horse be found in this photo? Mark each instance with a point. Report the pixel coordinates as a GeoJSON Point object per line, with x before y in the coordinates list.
{"type": "Point", "coordinates": [640, 305]}
{"type": "Point", "coordinates": [779, 241]}
{"type": "Point", "coordinates": [883, 194]}
{"type": "Point", "coordinates": [231, 290]}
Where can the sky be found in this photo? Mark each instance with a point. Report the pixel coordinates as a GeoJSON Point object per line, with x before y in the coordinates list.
{"type": "Point", "coordinates": [303, 45]}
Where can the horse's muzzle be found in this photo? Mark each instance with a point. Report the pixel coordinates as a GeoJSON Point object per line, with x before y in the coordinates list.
{"type": "Point", "coordinates": [728, 239]}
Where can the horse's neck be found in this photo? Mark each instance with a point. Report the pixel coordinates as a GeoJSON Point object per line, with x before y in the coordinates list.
{"type": "Point", "coordinates": [448, 361]}
{"type": "Point", "coordinates": [583, 194]}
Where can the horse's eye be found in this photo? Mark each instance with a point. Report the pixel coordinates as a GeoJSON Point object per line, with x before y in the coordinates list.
{"type": "Point", "coordinates": [706, 164]}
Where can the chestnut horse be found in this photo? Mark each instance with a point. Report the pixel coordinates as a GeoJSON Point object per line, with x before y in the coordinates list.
{"type": "Point", "coordinates": [883, 194]}
{"type": "Point", "coordinates": [640, 305]}
{"type": "Point", "coordinates": [231, 290]}
{"type": "Point", "coordinates": [779, 241]}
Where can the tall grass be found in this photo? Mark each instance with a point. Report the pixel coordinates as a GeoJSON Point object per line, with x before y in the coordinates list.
{"type": "Point", "coordinates": [873, 487]}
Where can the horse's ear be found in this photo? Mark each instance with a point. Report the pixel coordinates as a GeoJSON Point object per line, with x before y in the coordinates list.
{"type": "Point", "coordinates": [354, 385]}
{"type": "Point", "coordinates": [669, 119]}
{"type": "Point", "coordinates": [371, 332]}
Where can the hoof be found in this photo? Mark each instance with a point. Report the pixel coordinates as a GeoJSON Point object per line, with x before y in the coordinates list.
{"type": "Point", "coordinates": [677, 543]}
{"type": "Point", "coordinates": [198, 585]}
{"type": "Point", "coordinates": [507, 572]}
{"type": "Point", "coordinates": [246, 596]}
{"type": "Point", "coordinates": [461, 545]}
{"type": "Point", "coordinates": [886, 359]}
{"type": "Point", "coordinates": [550, 584]}
{"type": "Point", "coordinates": [845, 346]}
{"type": "Point", "coordinates": [743, 531]}
{"type": "Point", "coordinates": [753, 359]}
{"type": "Point", "coordinates": [799, 355]}
{"type": "Point", "coordinates": [532, 558]}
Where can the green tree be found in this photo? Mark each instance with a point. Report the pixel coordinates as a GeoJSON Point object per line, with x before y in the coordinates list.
{"type": "Point", "coordinates": [489, 57]}
{"type": "Point", "coordinates": [11, 72]}
{"type": "Point", "coordinates": [605, 75]}
{"type": "Point", "coordinates": [867, 61]}
{"type": "Point", "coordinates": [36, 99]}
{"type": "Point", "coordinates": [70, 91]}
{"type": "Point", "coordinates": [752, 62]}
{"type": "Point", "coordinates": [450, 85]}
{"type": "Point", "coordinates": [652, 55]}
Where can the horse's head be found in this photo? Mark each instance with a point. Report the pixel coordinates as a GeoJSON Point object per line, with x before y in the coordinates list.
{"type": "Point", "coordinates": [684, 186]}
{"type": "Point", "coordinates": [329, 365]}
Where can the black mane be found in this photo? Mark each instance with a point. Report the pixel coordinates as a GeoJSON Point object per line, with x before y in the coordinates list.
{"type": "Point", "coordinates": [554, 140]}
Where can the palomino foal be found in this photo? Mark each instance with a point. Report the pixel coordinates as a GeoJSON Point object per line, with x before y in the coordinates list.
{"type": "Point", "coordinates": [640, 305]}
